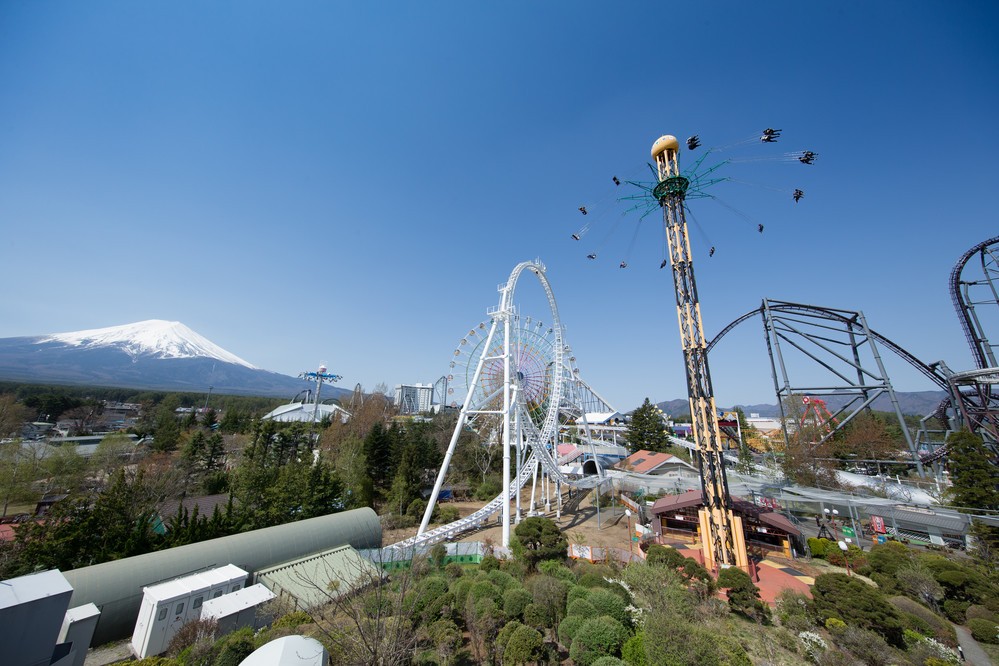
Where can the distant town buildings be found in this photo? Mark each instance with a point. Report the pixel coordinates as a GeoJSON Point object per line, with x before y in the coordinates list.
{"type": "Point", "coordinates": [414, 398]}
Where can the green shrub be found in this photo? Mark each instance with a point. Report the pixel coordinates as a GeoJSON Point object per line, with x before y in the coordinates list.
{"type": "Point", "coordinates": [235, 647]}
{"type": "Point", "coordinates": [818, 547]}
{"type": "Point", "coordinates": [483, 589]}
{"type": "Point", "coordinates": [523, 647]}
{"type": "Point", "coordinates": [664, 556]}
{"type": "Point", "coordinates": [915, 623]}
{"type": "Point", "coordinates": [505, 633]}
{"type": "Point", "coordinates": [792, 610]}
{"type": "Point", "coordinates": [984, 631]}
{"type": "Point", "coordinates": [556, 569]}
{"type": "Point", "coordinates": [858, 604]}
{"type": "Point", "coordinates": [889, 557]}
{"type": "Point", "coordinates": [537, 539]}
{"type": "Point", "coordinates": [577, 592]}
{"type": "Point", "coordinates": [981, 612]}
{"type": "Point", "coordinates": [607, 603]}
{"type": "Point", "coordinates": [955, 610]}
{"type": "Point", "coordinates": [607, 660]}
{"type": "Point", "coordinates": [454, 570]}
{"type": "Point", "coordinates": [489, 563]}
{"type": "Point", "coordinates": [868, 646]}
{"type": "Point", "coordinates": [537, 616]}
{"type": "Point", "coordinates": [292, 620]}
{"type": "Point", "coordinates": [592, 580]}
{"type": "Point", "coordinates": [743, 595]}
{"type": "Point", "coordinates": [515, 600]}
{"type": "Point", "coordinates": [503, 580]}
{"type": "Point", "coordinates": [416, 508]}
{"type": "Point", "coordinates": [550, 594]}
{"type": "Point", "coordinates": [488, 489]}
{"type": "Point", "coordinates": [568, 628]}
{"type": "Point", "coordinates": [517, 569]}
{"type": "Point", "coordinates": [597, 637]}
{"type": "Point", "coordinates": [580, 607]}
{"type": "Point", "coordinates": [940, 629]}
{"type": "Point", "coordinates": [447, 514]}
{"type": "Point", "coordinates": [633, 650]}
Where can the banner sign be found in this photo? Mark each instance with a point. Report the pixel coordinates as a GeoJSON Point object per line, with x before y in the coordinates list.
{"type": "Point", "coordinates": [878, 524]}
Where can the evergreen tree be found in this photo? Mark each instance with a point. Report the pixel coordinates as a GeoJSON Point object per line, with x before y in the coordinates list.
{"type": "Point", "coordinates": [646, 429]}
{"type": "Point", "coordinates": [378, 454]}
{"type": "Point", "coordinates": [167, 433]}
{"type": "Point", "coordinates": [973, 472]}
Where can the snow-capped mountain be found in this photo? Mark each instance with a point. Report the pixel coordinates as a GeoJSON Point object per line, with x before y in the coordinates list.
{"type": "Point", "coordinates": [154, 337]}
{"type": "Point", "coordinates": [151, 355]}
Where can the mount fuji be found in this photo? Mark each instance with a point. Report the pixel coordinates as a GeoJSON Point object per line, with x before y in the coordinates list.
{"type": "Point", "coordinates": [151, 355]}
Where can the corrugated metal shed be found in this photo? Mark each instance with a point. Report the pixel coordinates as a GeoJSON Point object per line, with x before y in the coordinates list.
{"type": "Point", "coordinates": [116, 587]}
{"type": "Point", "coordinates": [316, 580]}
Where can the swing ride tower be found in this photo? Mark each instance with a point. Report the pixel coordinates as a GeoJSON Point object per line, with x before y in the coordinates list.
{"type": "Point", "coordinates": [723, 539]}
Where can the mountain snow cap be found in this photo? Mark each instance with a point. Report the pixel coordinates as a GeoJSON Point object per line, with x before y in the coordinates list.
{"type": "Point", "coordinates": [155, 337]}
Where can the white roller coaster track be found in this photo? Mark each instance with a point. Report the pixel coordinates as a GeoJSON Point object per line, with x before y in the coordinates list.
{"type": "Point", "coordinates": [539, 453]}
{"type": "Point", "coordinates": [568, 395]}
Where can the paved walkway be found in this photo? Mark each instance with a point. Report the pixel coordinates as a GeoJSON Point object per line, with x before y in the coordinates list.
{"type": "Point", "coordinates": [973, 652]}
{"type": "Point", "coordinates": [771, 577]}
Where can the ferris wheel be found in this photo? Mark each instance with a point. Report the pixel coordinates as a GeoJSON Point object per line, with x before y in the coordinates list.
{"type": "Point", "coordinates": [508, 376]}
{"type": "Point", "coordinates": [532, 348]}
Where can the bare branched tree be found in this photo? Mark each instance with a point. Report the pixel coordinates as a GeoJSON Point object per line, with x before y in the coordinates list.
{"type": "Point", "coordinates": [365, 616]}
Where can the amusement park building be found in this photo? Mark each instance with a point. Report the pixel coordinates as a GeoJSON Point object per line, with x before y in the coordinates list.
{"type": "Point", "coordinates": [414, 398]}
{"type": "Point", "coordinates": [675, 518]}
{"type": "Point", "coordinates": [116, 587]}
{"type": "Point", "coordinates": [658, 464]}
{"type": "Point", "coordinates": [306, 412]}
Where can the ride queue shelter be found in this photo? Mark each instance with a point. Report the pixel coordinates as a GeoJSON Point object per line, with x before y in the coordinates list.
{"type": "Point", "coordinates": [674, 518]}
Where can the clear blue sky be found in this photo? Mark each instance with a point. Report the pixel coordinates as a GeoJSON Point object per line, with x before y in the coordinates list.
{"type": "Point", "coordinates": [348, 182]}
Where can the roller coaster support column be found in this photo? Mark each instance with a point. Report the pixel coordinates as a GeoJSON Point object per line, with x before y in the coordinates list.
{"type": "Point", "coordinates": [723, 540]}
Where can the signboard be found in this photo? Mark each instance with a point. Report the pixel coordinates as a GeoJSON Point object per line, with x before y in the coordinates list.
{"type": "Point", "coordinates": [878, 525]}
{"type": "Point", "coordinates": [628, 502]}
{"type": "Point", "coordinates": [849, 532]}
{"type": "Point", "coordinates": [882, 538]}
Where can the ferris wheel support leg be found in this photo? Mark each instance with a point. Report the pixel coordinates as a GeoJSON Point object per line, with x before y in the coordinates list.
{"type": "Point", "coordinates": [534, 486]}
{"type": "Point", "coordinates": [548, 495]}
{"type": "Point", "coordinates": [519, 459]}
{"type": "Point", "coordinates": [462, 417]}
{"type": "Point", "coordinates": [507, 402]}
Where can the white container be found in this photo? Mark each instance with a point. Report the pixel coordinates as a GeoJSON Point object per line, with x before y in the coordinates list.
{"type": "Point", "coordinates": [237, 609]}
{"type": "Point", "coordinates": [166, 607]}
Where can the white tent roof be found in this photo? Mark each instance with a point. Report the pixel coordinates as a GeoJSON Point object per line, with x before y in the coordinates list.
{"type": "Point", "coordinates": [288, 651]}
{"type": "Point", "coordinates": [304, 411]}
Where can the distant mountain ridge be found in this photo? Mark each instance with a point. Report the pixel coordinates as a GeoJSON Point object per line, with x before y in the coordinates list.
{"type": "Point", "coordinates": [918, 403]}
{"type": "Point", "coordinates": [149, 355]}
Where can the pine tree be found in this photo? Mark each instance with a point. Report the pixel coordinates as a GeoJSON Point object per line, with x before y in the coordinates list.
{"type": "Point", "coordinates": [973, 472]}
{"type": "Point", "coordinates": [646, 429]}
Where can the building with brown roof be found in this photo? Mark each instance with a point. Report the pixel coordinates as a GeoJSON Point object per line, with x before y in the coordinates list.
{"type": "Point", "coordinates": [675, 517]}
{"type": "Point", "coordinates": [658, 464]}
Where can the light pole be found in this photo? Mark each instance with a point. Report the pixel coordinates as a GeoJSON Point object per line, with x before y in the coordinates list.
{"type": "Point", "coordinates": [631, 550]}
{"type": "Point", "coordinates": [845, 548]}
{"type": "Point", "coordinates": [832, 521]}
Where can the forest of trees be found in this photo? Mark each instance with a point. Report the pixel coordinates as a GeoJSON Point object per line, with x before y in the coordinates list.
{"type": "Point", "coordinates": [271, 472]}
